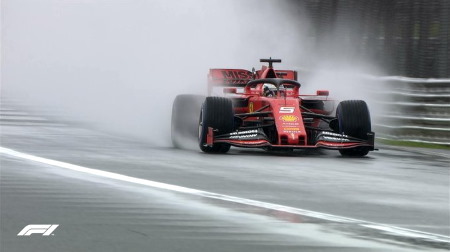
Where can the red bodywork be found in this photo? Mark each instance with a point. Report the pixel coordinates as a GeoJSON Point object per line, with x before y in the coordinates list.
{"type": "Point", "coordinates": [288, 112]}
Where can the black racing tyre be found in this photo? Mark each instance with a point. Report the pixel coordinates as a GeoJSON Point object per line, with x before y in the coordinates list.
{"type": "Point", "coordinates": [354, 120]}
{"type": "Point", "coordinates": [184, 126]}
{"type": "Point", "coordinates": [217, 112]}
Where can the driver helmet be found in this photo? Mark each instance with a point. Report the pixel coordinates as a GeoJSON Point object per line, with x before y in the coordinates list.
{"type": "Point", "coordinates": [269, 90]}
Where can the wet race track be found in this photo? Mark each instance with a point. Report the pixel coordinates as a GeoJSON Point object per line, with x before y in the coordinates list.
{"type": "Point", "coordinates": [115, 194]}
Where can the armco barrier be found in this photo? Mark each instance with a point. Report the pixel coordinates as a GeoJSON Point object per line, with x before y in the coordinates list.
{"type": "Point", "coordinates": [416, 110]}
{"type": "Point", "coordinates": [402, 108]}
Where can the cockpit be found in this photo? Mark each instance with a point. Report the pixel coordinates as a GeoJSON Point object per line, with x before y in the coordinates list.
{"type": "Point", "coordinates": [270, 90]}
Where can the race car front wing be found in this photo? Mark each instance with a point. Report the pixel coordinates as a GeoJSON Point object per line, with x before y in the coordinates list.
{"type": "Point", "coordinates": [256, 138]}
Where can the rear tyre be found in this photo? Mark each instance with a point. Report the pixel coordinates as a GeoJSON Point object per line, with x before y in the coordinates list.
{"type": "Point", "coordinates": [354, 120]}
{"type": "Point", "coordinates": [185, 113]}
{"type": "Point", "coordinates": [216, 112]}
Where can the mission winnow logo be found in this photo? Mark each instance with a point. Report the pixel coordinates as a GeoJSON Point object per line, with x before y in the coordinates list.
{"type": "Point", "coordinates": [44, 229]}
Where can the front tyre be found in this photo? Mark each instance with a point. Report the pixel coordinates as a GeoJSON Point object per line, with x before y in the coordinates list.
{"type": "Point", "coordinates": [217, 112]}
{"type": "Point", "coordinates": [354, 120]}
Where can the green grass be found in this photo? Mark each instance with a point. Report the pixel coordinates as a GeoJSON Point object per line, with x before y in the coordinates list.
{"type": "Point", "coordinates": [413, 144]}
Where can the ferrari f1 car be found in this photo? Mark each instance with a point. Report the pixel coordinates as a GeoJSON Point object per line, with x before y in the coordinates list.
{"type": "Point", "coordinates": [264, 109]}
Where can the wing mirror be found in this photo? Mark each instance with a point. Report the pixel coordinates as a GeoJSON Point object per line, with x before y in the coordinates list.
{"type": "Point", "coordinates": [230, 90]}
{"type": "Point", "coordinates": [322, 92]}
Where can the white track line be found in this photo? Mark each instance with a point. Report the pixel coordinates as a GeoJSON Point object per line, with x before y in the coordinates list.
{"type": "Point", "coordinates": [397, 231]}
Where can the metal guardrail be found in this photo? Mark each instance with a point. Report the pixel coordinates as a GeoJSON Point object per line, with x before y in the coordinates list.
{"type": "Point", "coordinates": [414, 109]}
{"type": "Point", "coordinates": [406, 109]}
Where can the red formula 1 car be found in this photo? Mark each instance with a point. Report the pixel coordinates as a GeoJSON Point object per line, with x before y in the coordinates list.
{"type": "Point", "coordinates": [264, 109]}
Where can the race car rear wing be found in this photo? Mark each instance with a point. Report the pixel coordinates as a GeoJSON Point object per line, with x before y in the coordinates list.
{"type": "Point", "coordinates": [229, 77]}
{"type": "Point", "coordinates": [240, 77]}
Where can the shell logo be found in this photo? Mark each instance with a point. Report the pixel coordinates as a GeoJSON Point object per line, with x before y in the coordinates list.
{"type": "Point", "coordinates": [289, 118]}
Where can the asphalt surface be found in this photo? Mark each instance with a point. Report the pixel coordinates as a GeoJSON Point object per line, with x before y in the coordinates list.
{"type": "Point", "coordinates": [404, 188]}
